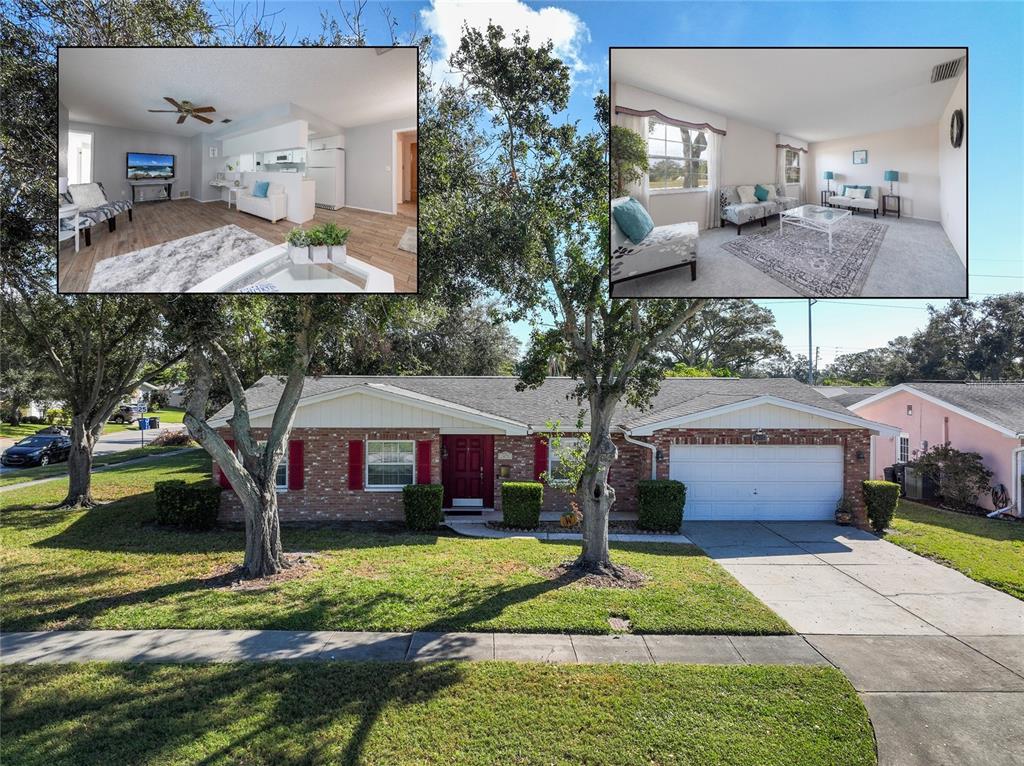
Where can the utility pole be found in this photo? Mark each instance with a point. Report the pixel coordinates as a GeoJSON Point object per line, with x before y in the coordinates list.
{"type": "Point", "coordinates": [810, 344]}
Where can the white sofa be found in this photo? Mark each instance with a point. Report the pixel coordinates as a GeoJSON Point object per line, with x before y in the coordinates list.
{"type": "Point", "coordinates": [273, 207]}
{"type": "Point", "coordinates": [854, 204]}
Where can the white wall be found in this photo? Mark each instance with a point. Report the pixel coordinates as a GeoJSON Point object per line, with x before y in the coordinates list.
{"type": "Point", "coordinates": [110, 145]}
{"type": "Point", "coordinates": [290, 135]}
{"type": "Point", "coordinates": [953, 173]}
{"type": "Point", "coordinates": [62, 140]}
{"type": "Point", "coordinates": [370, 164]}
{"type": "Point", "coordinates": [912, 151]}
{"type": "Point", "coordinates": [204, 167]}
{"type": "Point", "coordinates": [748, 155]}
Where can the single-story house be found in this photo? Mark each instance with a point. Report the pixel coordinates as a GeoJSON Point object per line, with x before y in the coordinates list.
{"type": "Point", "coordinates": [987, 418]}
{"type": "Point", "coordinates": [745, 448]}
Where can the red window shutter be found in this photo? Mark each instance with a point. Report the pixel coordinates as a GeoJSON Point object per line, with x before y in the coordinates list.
{"type": "Point", "coordinates": [220, 471]}
{"type": "Point", "coordinates": [540, 457]}
{"type": "Point", "coordinates": [296, 465]}
{"type": "Point", "coordinates": [423, 461]}
{"type": "Point", "coordinates": [355, 464]}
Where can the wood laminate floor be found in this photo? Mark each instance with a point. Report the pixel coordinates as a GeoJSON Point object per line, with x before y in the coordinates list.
{"type": "Point", "coordinates": [374, 238]}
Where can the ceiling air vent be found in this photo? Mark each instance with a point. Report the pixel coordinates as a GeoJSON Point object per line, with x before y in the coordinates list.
{"type": "Point", "coordinates": [226, 120]}
{"type": "Point", "coordinates": [947, 70]}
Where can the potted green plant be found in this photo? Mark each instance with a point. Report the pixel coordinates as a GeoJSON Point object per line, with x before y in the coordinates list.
{"type": "Point", "coordinates": [318, 249]}
{"type": "Point", "coordinates": [336, 238]}
{"type": "Point", "coordinates": [298, 245]}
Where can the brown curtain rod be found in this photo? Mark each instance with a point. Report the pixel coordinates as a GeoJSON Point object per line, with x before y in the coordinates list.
{"type": "Point", "coordinates": [669, 120]}
{"type": "Point", "coordinates": [794, 148]}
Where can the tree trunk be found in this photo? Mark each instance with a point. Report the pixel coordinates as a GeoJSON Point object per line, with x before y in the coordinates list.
{"type": "Point", "coordinates": [595, 495]}
{"type": "Point", "coordinates": [263, 554]}
{"type": "Point", "coordinates": [83, 441]}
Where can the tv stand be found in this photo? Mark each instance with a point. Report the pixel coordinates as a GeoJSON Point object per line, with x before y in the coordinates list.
{"type": "Point", "coordinates": [166, 183]}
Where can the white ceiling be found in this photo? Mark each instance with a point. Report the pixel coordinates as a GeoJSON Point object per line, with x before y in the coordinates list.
{"type": "Point", "coordinates": [345, 86]}
{"type": "Point", "coordinates": [808, 93]}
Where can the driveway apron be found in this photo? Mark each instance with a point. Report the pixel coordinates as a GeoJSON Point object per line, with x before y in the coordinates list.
{"type": "Point", "coordinates": [937, 658]}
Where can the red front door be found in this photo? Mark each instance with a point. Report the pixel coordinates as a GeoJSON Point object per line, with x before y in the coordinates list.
{"type": "Point", "coordinates": [468, 471]}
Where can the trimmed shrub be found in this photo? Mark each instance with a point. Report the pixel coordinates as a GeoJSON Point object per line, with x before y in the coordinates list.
{"type": "Point", "coordinates": [173, 439]}
{"type": "Point", "coordinates": [881, 498]}
{"type": "Point", "coordinates": [190, 506]}
{"type": "Point", "coordinates": [520, 504]}
{"type": "Point", "coordinates": [422, 504]}
{"type": "Point", "coordinates": [661, 504]}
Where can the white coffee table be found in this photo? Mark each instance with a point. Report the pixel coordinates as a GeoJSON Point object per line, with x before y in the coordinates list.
{"type": "Point", "coordinates": [816, 217]}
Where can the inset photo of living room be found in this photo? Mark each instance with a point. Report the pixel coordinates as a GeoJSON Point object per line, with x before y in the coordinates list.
{"type": "Point", "coordinates": [788, 172]}
{"type": "Point", "coordinates": [238, 170]}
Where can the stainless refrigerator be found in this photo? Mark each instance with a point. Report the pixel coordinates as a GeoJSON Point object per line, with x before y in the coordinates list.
{"type": "Point", "coordinates": [327, 168]}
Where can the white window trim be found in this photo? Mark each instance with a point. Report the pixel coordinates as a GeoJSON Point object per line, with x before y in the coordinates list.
{"type": "Point", "coordinates": [568, 442]}
{"type": "Point", "coordinates": [656, 157]}
{"type": "Point", "coordinates": [367, 487]}
{"type": "Point", "coordinates": [903, 438]}
{"type": "Point", "coordinates": [680, 190]}
{"type": "Point", "coordinates": [283, 464]}
{"type": "Point", "coordinates": [798, 166]}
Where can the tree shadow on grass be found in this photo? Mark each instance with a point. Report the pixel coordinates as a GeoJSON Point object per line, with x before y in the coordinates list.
{"type": "Point", "coordinates": [272, 712]}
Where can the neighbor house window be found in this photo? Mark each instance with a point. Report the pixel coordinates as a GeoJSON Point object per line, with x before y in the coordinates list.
{"type": "Point", "coordinates": [79, 157]}
{"type": "Point", "coordinates": [904, 448]}
{"type": "Point", "coordinates": [390, 464]}
{"type": "Point", "coordinates": [555, 471]}
{"type": "Point", "coordinates": [910, 409]}
{"type": "Point", "coordinates": [792, 166]}
{"type": "Point", "coordinates": [676, 157]}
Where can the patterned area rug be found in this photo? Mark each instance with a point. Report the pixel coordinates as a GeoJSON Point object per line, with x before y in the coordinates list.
{"type": "Point", "coordinates": [408, 240]}
{"type": "Point", "coordinates": [173, 267]}
{"type": "Point", "coordinates": [800, 258]}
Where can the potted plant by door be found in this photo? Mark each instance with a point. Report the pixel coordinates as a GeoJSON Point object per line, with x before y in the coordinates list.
{"type": "Point", "coordinates": [844, 511]}
{"type": "Point", "coordinates": [298, 245]}
{"type": "Point", "coordinates": [318, 249]}
{"type": "Point", "coordinates": [336, 238]}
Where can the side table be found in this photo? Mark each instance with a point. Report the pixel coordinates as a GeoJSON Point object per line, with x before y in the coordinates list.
{"type": "Point", "coordinates": [68, 211]}
{"type": "Point", "coordinates": [233, 193]}
{"type": "Point", "coordinates": [825, 194]}
{"type": "Point", "coordinates": [888, 206]}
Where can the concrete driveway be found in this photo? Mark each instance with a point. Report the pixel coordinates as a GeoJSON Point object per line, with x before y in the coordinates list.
{"type": "Point", "coordinates": [937, 658]}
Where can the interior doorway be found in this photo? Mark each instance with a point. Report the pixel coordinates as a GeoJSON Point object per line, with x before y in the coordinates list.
{"type": "Point", "coordinates": [406, 172]}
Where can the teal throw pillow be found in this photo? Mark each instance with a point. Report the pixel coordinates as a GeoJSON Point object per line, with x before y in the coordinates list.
{"type": "Point", "coordinates": [761, 193]}
{"type": "Point", "coordinates": [260, 188]}
{"type": "Point", "coordinates": [634, 221]}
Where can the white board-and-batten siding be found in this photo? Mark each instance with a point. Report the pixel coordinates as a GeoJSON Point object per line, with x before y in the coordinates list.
{"type": "Point", "coordinates": [766, 416]}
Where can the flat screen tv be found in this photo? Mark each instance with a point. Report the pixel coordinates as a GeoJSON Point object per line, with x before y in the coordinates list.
{"type": "Point", "coordinates": [142, 166]}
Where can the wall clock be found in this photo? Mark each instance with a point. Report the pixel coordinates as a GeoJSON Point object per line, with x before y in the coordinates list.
{"type": "Point", "coordinates": [956, 128]}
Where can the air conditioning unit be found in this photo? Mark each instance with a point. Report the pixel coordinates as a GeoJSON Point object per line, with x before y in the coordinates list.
{"type": "Point", "coordinates": [913, 484]}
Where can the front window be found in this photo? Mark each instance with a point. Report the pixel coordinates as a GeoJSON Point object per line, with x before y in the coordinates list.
{"type": "Point", "coordinates": [792, 166]}
{"type": "Point", "coordinates": [390, 464]}
{"type": "Point", "coordinates": [904, 448]}
{"type": "Point", "coordinates": [676, 157]}
{"type": "Point", "coordinates": [556, 472]}
{"type": "Point", "coordinates": [281, 477]}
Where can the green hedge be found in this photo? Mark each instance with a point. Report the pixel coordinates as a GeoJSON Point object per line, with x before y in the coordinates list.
{"type": "Point", "coordinates": [423, 505]}
{"type": "Point", "coordinates": [881, 498]}
{"type": "Point", "coordinates": [520, 503]}
{"type": "Point", "coordinates": [192, 506]}
{"type": "Point", "coordinates": [661, 504]}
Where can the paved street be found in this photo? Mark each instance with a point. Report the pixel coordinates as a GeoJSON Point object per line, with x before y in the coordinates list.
{"type": "Point", "coordinates": [111, 443]}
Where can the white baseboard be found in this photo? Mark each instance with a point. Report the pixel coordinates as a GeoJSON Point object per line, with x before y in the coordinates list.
{"type": "Point", "coordinates": [369, 209]}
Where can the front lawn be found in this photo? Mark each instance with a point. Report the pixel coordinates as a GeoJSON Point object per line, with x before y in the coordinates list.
{"type": "Point", "coordinates": [987, 550]}
{"type": "Point", "coordinates": [432, 713]}
{"type": "Point", "coordinates": [112, 568]}
{"type": "Point", "coordinates": [21, 475]}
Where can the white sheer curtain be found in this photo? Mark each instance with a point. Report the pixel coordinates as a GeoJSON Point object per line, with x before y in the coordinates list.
{"type": "Point", "coordinates": [639, 191]}
{"type": "Point", "coordinates": [780, 166]}
{"type": "Point", "coordinates": [713, 216]}
{"type": "Point", "coordinates": [805, 179]}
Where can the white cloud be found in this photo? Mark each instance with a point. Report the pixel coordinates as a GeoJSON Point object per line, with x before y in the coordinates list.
{"type": "Point", "coordinates": [566, 30]}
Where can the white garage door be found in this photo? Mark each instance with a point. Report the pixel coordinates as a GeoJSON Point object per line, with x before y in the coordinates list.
{"type": "Point", "coordinates": [745, 482]}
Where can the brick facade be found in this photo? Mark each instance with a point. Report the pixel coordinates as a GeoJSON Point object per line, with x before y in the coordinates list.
{"type": "Point", "coordinates": [856, 444]}
{"type": "Point", "coordinates": [325, 495]}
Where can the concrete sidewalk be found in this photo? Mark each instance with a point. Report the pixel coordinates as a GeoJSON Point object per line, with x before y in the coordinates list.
{"type": "Point", "coordinates": [175, 646]}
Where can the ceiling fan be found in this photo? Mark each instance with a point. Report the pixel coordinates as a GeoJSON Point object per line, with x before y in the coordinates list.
{"type": "Point", "coordinates": [186, 109]}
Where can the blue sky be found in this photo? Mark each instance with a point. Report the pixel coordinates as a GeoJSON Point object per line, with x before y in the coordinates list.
{"type": "Point", "coordinates": [583, 31]}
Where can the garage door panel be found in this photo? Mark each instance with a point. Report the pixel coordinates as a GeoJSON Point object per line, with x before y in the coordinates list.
{"type": "Point", "coordinates": [770, 482]}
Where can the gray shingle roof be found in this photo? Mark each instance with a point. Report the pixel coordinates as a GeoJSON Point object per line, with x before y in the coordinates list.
{"type": "Point", "coordinates": [550, 402]}
{"type": "Point", "coordinates": [1001, 403]}
{"type": "Point", "coordinates": [847, 395]}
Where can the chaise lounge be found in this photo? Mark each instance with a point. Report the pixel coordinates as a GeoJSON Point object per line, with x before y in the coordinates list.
{"type": "Point", "coordinates": [740, 209]}
{"type": "Point", "coordinates": [661, 249]}
{"type": "Point", "coordinates": [850, 199]}
{"type": "Point", "coordinates": [94, 207]}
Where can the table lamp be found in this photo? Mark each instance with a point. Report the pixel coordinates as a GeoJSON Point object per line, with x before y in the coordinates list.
{"type": "Point", "coordinates": [890, 176]}
{"type": "Point", "coordinates": [828, 176]}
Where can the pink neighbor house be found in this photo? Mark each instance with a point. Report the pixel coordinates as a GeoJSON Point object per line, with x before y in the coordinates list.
{"type": "Point", "coordinates": [987, 418]}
